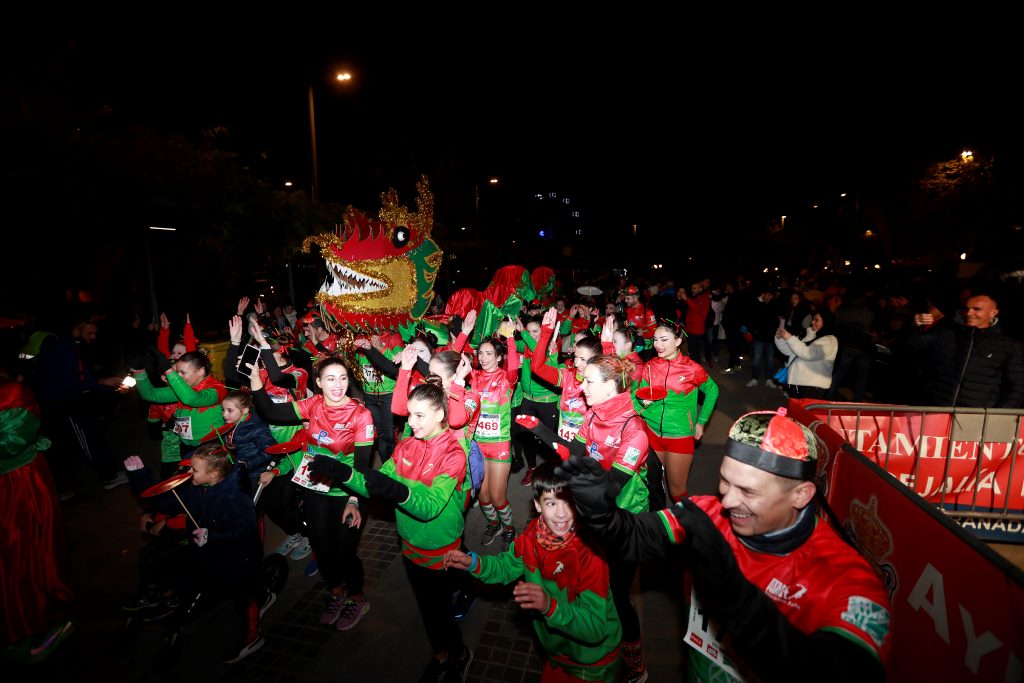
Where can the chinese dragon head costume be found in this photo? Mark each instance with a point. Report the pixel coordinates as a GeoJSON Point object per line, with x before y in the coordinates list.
{"type": "Point", "coordinates": [380, 272]}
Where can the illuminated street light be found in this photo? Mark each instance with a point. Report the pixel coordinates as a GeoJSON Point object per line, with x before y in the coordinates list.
{"type": "Point", "coordinates": [342, 77]}
{"type": "Point", "coordinates": [493, 181]}
{"type": "Point", "coordinates": [287, 183]}
{"type": "Point", "coordinates": [963, 256]}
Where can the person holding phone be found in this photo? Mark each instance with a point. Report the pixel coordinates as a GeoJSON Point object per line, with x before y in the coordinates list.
{"type": "Point", "coordinates": [810, 359]}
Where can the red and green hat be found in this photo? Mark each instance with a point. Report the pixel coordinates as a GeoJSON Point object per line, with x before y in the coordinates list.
{"type": "Point", "coordinates": [775, 443]}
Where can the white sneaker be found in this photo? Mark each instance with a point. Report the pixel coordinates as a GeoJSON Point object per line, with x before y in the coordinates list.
{"type": "Point", "coordinates": [752, 383]}
{"type": "Point", "coordinates": [302, 551]}
{"type": "Point", "coordinates": [770, 384]}
{"type": "Point", "coordinates": [289, 544]}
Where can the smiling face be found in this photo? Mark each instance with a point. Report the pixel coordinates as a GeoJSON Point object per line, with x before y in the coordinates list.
{"type": "Point", "coordinates": [596, 389]}
{"type": "Point", "coordinates": [666, 343]}
{"type": "Point", "coordinates": [425, 421]}
{"type": "Point", "coordinates": [557, 513]}
{"type": "Point", "coordinates": [533, 329]}
{"type": "Point", "coordinates": [333, 381]}
{"type": "Point", "coordinates": [981, 310]}
{"type": "Point", "coordinates": [817, 322]}
{"type": "Point", "coordinates": [488, 357]}
{"type": "Point", "coordinates": [757, 502]}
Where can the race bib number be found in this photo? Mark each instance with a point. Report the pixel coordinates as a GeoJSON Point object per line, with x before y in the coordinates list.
{"type": "Point", "coordinates": [370, 374]}
{"type": "Point", "coordinates": [301, 476]}
{"type": "Point", "coordinates": [568, 429]}
{"type": "Point", "coordinates": [489, 426]}
{"type": "Point", "coordinates": [702, 636]}
{"type": "Point", "coordinates": [183, 426]}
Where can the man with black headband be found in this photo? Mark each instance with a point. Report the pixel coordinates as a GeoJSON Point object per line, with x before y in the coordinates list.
{"type": "Point", "coordinates": [791, 599]}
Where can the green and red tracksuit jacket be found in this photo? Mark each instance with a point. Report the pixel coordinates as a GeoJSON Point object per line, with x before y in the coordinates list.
{"type": "Point", "coordinates": [334, 431]}
{"type": "Point", "coordinates": [580, 631]}
{"type": "Point", "coordinates": [463, 407]}
{"type": "Point", "coordinates": [572, 406]}
{"type": "Point", "coordinates": [528, 388]}
{"type": "Point", "coordinates": [615, 436]}
{"type": "Point", "coordinates": [198, 407]}
{"type": "Point", "coordinates": [495, 389]}
{"type": "Point", "coordinates": [673, 416]}
{"type": "Point", "coordinates": [430, 521]}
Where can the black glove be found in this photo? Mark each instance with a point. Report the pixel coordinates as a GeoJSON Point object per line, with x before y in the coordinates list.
{"type": "Point", "coordinates": [721, 587]}
{"type": "Point", "coordinates": [380, 485]}
{"type": "Point", "coordinates": [326, 470]}
{"type": "Point", "coordinates": [592, 489]}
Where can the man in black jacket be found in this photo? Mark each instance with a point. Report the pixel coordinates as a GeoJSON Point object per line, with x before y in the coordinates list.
{"type": "Point", "coordinates": [972, 364]}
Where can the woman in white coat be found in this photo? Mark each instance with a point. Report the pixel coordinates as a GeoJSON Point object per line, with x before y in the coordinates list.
{"type": "Point", "coordinates": [810, 360]}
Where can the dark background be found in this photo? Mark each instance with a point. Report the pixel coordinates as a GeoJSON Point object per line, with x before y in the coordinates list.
{"type": "Point", "coordinates": [703, 141]}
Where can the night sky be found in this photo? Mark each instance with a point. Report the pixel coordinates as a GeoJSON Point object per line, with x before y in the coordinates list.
{"type": "Point", "coordinates": [639, 125]}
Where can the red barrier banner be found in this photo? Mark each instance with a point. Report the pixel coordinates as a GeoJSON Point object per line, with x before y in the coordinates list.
{"type": "Point", "coordinates": [958, 607]}
{"type": "Point", "coordinates": [962, 462]}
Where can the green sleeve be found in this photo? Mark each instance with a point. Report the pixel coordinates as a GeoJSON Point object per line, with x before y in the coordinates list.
{"type": "Point", "coordinates": [710, 389]}
{"type": "Point", "coordinates": [529, 342]}
{"type": "Point", "coordinates": [584, 618]}
{"type": "Point", "coordinates": [565, 327]}
{"type": "Point", "coordinates": [504, 567]}
{"type": "Point", "coordinates": [147, 392]}
{"type": "Point", "coordinates": [426, 502]}
{"type": "Point", "coordinates": [189, 396]}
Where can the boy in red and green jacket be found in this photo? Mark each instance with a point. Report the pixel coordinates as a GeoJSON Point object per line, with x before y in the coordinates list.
{"type": "Point", "coordinates": [564, 579]}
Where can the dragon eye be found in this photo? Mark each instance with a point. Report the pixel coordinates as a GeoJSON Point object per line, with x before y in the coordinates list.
{"type": "Point", "coordinates": [401, 236]}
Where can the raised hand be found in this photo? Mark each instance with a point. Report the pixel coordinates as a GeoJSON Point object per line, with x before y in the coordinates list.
{"type": "Point", "coordinates": [409, 356]}
{"type": "Point", "coordinates": [608, 330]}
{"type": "Point", "coordinates": [243, 304]}
{"type": "Point", "coordinates": [260, 307]}
{"type": "Point", "coordinates": [235, 329]}
{"type": "Point", "coordinates": [165, 323]}
{"type": "Point", "coordinates": [550, 318]}
{"type": "Point", "coordinates": [469, 323]}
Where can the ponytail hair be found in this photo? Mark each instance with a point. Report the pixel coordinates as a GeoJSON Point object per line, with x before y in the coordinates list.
{"type": "Point", "coordinates": [432, 391]}
{"type": "Point", "coordinates": [618, 370]}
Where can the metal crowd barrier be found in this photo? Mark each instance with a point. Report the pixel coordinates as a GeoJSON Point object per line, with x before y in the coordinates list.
{"type": "Point", "coordinates": [982, 430]}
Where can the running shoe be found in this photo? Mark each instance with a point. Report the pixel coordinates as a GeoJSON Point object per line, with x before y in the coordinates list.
{"type": "Point", "coordinates": [351, 612]}
{"type": "Point", "coordinates": [491, 531]}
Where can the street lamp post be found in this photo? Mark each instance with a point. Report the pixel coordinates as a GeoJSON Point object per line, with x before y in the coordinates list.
{"type": "Point", "coordinates": [342, 77]}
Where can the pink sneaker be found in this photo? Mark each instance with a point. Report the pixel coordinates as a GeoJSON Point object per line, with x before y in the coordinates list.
{"type": "Point", "coordinates": [351, 612]}
{"type": "Point", "coordinates": [333, 609]}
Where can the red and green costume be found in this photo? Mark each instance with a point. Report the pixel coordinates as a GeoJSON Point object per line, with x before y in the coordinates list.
{"type": "Point", "coordinates": [580, 631]}
{"type": "Point", "coordinates": [676, 416]}
{"type": "Point", "coordinates": [429, 515]}
{"type": "Point", "coordinates": [198, 407]}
